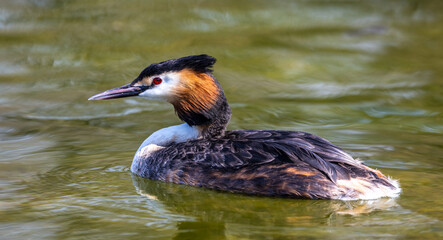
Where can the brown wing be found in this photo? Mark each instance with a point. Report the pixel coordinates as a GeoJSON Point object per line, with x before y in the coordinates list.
{"type": "Point", "coordinates": [238, 149]}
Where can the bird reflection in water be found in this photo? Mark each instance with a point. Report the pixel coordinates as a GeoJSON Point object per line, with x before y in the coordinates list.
{"type": "Point", "coordinates": [217, 211]}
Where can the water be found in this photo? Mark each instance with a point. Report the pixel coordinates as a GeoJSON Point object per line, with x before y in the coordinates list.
{"type": "Point", "coordinates": [366, 75]}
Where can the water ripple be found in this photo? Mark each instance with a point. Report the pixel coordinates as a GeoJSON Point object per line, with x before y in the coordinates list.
{"type": "Point", "coordinates": [86, 117]}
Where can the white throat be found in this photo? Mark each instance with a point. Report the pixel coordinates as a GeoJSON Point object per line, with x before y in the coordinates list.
{"type": "Point", "coordinates": [163, 137]}
{"type": "Point", "coordinates": [173, 134]}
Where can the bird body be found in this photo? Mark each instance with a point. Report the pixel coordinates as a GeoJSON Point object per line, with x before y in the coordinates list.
{"type": "Point", "coordinates": [200, 152]}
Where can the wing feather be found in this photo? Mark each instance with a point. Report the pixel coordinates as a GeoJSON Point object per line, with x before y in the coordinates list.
{"type": "Point", "coordinates": [248, 148]}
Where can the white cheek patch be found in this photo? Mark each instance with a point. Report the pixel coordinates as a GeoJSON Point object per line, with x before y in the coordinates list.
{"type": "Point", "coordinates": [164, 90]}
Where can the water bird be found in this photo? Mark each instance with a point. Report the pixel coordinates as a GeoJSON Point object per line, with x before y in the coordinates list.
{"type": "Point", "coordinates": [201, 152]}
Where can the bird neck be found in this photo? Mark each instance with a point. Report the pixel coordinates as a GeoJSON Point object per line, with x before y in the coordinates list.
{"type": "Point", "coordinates": [210, 117]}
{"type": "Point", "coordinates": [218, 120]}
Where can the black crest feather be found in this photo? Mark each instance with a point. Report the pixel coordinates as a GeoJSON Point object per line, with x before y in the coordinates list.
{"type": "Point", "coordinates": [198, 63]}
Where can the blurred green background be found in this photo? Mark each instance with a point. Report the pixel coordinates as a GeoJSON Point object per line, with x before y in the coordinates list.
{"type": "Point", "coordinates": [367, 75]}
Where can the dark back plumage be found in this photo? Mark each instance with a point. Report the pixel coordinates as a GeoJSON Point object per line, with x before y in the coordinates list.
{"type": "Point", "coordinates": [272, 163]}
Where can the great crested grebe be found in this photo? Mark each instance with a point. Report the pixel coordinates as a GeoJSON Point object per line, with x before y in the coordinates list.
{"type": "Point", "coordinates": [200, 152]}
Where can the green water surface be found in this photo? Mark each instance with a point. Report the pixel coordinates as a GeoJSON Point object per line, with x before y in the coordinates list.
{"type": "Point", "coordinates": [367, 75]}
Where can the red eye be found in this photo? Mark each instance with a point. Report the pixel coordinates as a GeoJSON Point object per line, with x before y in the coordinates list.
{"type": "Point", "coordinates": [157, 80]}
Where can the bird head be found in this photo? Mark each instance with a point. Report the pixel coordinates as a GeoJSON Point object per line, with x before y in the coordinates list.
{"type": "Point", "coordinates": [187, 83]}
